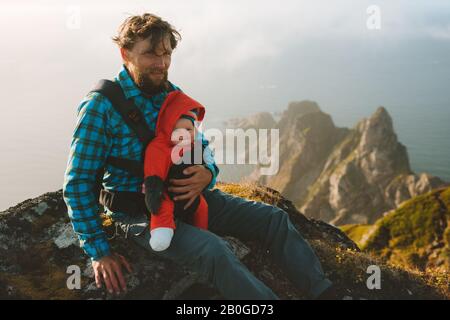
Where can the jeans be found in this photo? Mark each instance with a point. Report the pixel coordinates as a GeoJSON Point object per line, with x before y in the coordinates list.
{"type": "Point", "coordinates": [206, 253]}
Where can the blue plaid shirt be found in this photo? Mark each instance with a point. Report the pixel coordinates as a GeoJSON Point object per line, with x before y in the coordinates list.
{"type": "Point", "coordinates": [99, 133]}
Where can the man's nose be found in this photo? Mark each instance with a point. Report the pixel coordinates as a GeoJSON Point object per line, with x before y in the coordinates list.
{"type": "Point", "coordinates": [161, 63]}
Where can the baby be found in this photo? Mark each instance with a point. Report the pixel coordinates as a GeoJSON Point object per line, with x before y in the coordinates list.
{"type": "Point", "coordinates": [166, 157]}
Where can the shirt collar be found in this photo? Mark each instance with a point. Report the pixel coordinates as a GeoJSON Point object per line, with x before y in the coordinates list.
{"type": "Point", "coordinates": [130, 88]}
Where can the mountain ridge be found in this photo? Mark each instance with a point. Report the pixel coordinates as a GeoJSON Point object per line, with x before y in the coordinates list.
{"type": "Point", "coordinates": [342, 175]}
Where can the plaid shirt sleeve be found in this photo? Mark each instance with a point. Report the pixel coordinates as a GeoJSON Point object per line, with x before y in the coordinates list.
{"type": "Point", "coordinates": [210, 163]}
{"type": "Point", "coordinates": [89, 148]}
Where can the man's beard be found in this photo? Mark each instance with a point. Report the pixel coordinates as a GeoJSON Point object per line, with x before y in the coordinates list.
{"type": "Point", "coordinates": [147, 85]}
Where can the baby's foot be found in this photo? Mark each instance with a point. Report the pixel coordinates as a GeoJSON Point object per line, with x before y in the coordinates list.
{"type": "Point", "coordinates": [160, 238]}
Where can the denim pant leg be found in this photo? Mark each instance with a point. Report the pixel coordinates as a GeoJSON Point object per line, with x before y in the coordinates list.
{"type": "Point", "coordinates": [272, 228]}
{"type": "Point", "coordinates": [205, 253]}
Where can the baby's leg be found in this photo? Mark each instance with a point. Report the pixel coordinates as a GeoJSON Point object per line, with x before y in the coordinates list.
{"type": "Point", "coordinates": [200, 218]}
{"type": "Point", "coordinates": [162, 225]}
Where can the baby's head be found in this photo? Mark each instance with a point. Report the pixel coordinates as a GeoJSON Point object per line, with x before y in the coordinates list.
{"type": "Point", "coordinates": [184, 131]}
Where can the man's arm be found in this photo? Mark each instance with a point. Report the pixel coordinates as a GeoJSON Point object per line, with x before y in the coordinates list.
{"type": "Point", "coordinates": [88, 151]}
{"type": "Point", "coordinates": [91, 144]}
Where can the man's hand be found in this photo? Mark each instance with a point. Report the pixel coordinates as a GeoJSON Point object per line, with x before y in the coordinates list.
{"type": "Point", "coordinates": [109, 270]}
{"type": "Point", "coordinates": [192, 186]}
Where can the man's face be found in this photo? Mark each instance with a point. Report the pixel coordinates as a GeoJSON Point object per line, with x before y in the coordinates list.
{"type": "Point", "coordinates": [149, 68]}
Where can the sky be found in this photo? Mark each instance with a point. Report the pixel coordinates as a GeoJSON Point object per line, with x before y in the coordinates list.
{"type": "Point", "coordinates": [237, 57]}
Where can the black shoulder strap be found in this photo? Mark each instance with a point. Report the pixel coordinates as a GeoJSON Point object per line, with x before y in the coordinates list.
{"type": "Point", "coordinates": [126, 108]}
{"type": "Point", "coordinates": [133, 118]}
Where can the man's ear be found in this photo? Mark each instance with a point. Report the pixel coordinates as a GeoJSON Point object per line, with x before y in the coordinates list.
{"type": "Point", "coordinates": [124, 53]}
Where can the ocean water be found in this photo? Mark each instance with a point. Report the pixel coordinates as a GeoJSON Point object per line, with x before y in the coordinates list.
{"type": "Point", "coordinates": [34, 151]}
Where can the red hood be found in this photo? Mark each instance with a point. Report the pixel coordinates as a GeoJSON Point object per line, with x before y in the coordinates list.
{"type": "Point", "coordinates": [176, 104]}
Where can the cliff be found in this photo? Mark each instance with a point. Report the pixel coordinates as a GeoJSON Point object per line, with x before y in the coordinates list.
{"type": "Point", "coordinates": [341, 175]}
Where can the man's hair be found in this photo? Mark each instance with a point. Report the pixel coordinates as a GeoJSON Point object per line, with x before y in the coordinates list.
{"type": "Point", "coordinates": [136, 28]}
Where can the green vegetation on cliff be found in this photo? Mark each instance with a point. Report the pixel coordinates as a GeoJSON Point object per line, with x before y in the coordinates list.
{"type": "Point", "coordinates": [415, 235]}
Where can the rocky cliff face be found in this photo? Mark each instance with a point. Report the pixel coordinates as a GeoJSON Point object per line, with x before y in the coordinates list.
{"type": "Point", "coordinates": [37, 246]}
{"type": "Point", "coordinates": [258, 120]}
{"type": "Point", "coordinates": [235, 172]}
{"type": "Point", "coordinates": [342, 175]}
{"type": "Point", "coordinates": [416, 234]}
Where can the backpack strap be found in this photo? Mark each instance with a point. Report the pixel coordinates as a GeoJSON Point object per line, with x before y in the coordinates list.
{"type": "Point", "coordinates": [132, 116]}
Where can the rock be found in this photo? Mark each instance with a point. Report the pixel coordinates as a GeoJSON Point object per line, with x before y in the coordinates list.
{"type": "Point", "coordinates": [36, 249]}
{"type": "Point", "coordinates": [64, 235]}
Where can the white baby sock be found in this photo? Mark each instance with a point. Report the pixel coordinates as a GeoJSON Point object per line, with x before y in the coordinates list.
{"type": "Point", "coordinates": [160, 238]}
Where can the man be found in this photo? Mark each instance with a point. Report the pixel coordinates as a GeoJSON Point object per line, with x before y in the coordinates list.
{"type": "Point", "coordinates": [146, 43]}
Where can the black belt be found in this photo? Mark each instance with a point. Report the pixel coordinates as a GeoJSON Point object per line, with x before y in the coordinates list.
{"type": "Point", "coordinates": [131, 203]}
